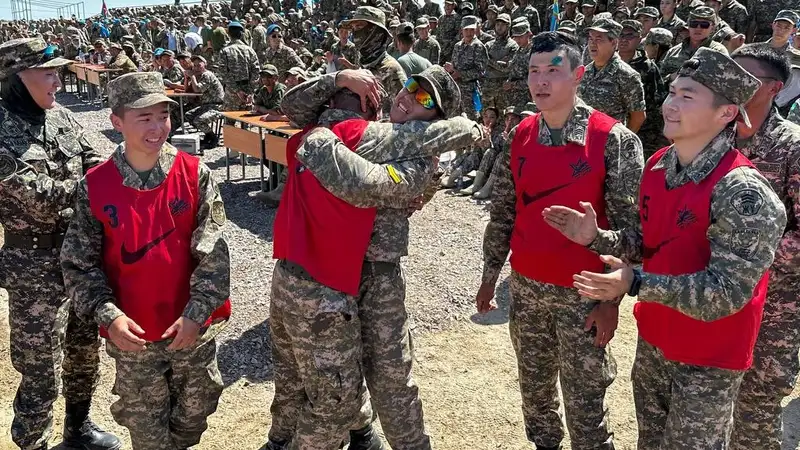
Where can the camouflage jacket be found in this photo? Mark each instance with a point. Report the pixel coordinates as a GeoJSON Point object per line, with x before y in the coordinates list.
{"type": "Point", "coordinates": [269, 99]}
{"type": "Point", "coordinates": [40, 166]}
{"type": "Point", "coordinates": [735, 14]}
{"type": "Point", "coordinates": [530, 13]}
{"type": "Point", "coordinates": [283, 58]}
{"type": "Point", "coordinates": [616, 89]}
{"type": "Point", "coordinates": [470, 60]}
{"type": "Point", "coordinates": [624, 164]}
{"type": "Point", "coordinates": [82, 252]}
{"type": "Point", "coordinates": [500, 52]}
{"type": "Point", "coordinates": [683, 8]}
{"type": "Point", "coordinates": [349, 52]}
{"type": "Point", "coordinates": [762, 14]}
{"type": "Point", "coordinates": [775, 150]}
{"type": "Point", "coordinates": [238, 68]}
{"type": "Point", "coordinates": [428, 49]}
{"type": "Point", "coordinates": [126, 64]}
{"type": "Point", "coordinates": [655, 91]}
{"type": "Point", "coordinates": [432, 9]}
{"type": "Point", "coordinates": [680, 53]}
{"type": "Point", "coordinates": [447, 34]}
{"type": "Point", "coordinates": [746, 220]}
{"type": "Point", "coordinates": [360, 182]}
{"type": "Point", "coordinates": [260, 45]}
{"type": "Point", "coordinates": [210, 87]}
{"type": "Point", "coordinates": [174, 73]}
{"type": "Point", "coordinates": [672, 25]}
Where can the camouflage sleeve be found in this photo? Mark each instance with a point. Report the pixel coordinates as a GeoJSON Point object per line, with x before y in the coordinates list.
{"type": "Point", "coordinates": [747, 221]}
{"type": "Point", "coordinates": [632, 91]}
{"type": "Point", "coordinates": [624, 164]}
{"type": "Point", "coordinates": [436, 51]}
{"type": "Point", "coordinates": [477, 67]}
{"type": "Point", "coordinates": [358, 181]}
{"type": "Point", "coordinates": [302, 103]}
{"type": "Point", "coordinates": [503, 213]}
{"type": "Point", "coordinates": [787, 257]}
{"type": "Point", "coordinates": [297, 62]}
{"type": "Point", "coordinates": [209, 285]}
{"type": "Point", "coordinates": [33, 190]}
{"type": "Point", "coordinates": [254, 69]}
{"type": "Point", "coordinates": [82, 264]}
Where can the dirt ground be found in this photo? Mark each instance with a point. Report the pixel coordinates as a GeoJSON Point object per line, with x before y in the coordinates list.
{"type": "Point", "coordinates": [468, 381]}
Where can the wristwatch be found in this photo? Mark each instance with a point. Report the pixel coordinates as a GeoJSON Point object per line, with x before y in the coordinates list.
{"type": "Point", "coordinates": [636, 284]}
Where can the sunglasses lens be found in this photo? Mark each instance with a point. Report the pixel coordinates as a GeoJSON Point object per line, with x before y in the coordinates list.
{"type": "Point", "coordinates": [425, 99]}
{"type": "Point", "coordinates": [699, 24]}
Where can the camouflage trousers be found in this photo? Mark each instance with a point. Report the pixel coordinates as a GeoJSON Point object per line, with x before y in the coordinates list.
{"type": "Point", "coordinates": [203, 117]}
{"type": "Point", "coordinates": [758, 415]}
{"type": "Point", "coordinates": [467, 104]}
{"type": "Point", "coordinates": [316, 354]}
{"type": "Point", "coordinates": [45, 332]}
{"type": "Point", "coordinates": [165, 396]}
{"type": "Point", "coordinates": [493, 96]}
{"type": "Point", "coordinates": [546, 324]}
{"type": "Point", "coordinates": [488, 159]}
{"type": "Point", "coordinates": [517, 97]}
{"type": "Point", "coordinates": [681, 406]}
{"type": "Point", "coordinates": [231, 102]}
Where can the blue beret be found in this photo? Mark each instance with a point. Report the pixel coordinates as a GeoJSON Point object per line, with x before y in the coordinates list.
{"type": "Point", "coordinates": [158, 51]}
{"type": "Point", "coordinates": [272, 28]}
{"type": "Point", "coordinates": [235, 24]}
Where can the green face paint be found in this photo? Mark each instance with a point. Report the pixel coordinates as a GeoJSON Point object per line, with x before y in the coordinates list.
{"type": "Point", "coordinates": [556, 61]}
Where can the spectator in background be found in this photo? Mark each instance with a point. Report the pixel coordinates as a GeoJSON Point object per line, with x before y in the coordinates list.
{"type": "Point", "coordinates": [412, 63]}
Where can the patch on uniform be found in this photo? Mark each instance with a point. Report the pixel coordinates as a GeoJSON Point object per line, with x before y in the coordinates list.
{"type": "Point", "coordinates": [218, 213]}
{"type": "Point", "coordinates": [394, 175]}
{"type": "Point", "coordinates": [744, 242]}
{"type": "Point", "coordinates": [8, 164]}
{"type": "Point", "coordinates": [768, 168]}
{"type": "Point", "coordinates": [630, 181]}
{"type": "Point", "coordinates": [747, 202]}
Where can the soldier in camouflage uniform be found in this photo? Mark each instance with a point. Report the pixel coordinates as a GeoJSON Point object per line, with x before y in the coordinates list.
{"type": "Point", "coordinates": [530, 12]}
{"type": "Point", "coordinates": [431, 9]}
{"type": "Point", "coordinates": [501, 52]}
{"type": "Point", "coordinates": [772, 143]}
{"type": "Point", "coordinates": [655, 90]}
{"type": "Point", "coordinates": [685, 385]}
{"type": "Point", "coordinates": [549, 322]}
{"type": "Point", "coordinates": [685, 7]}
{"type": "Point", "coordinates": [470, 61]}
{"type": "Point", "coordinates": [447, 31]}
{"type": "Point", "coordinates": [43, 154]}
{"type": "Point", "coordinates": [238, 71]}
{"type": "Point", "coordinates": [205, 114]}
{"type": "Point", "coordinates": [609, 84]}
{"type": "Point", "coordinates": [372, 39]}
{"type": "Point", "coordinates": [259, 34]}
{"type": "Point", "coordinates": [784, 26]}
{"type": "Point", "coordinates": [267, 98]}
{"type": "Point", "coordinates": [345, 52]}
{"type": "Point", "coordinates": [167, 378]}
{"type": "Point", "coordinates": [734, 14]}
{"type": "Point", "coordinates": [171, 71]}
{"type": "Point", "coordinates": [426, 45]}
{"type": "Point", "coordinates": [670, 20]}
{"type": "Point", "coordinates": [760, 28]}
{"type": "Point", "coordinates": [515, 88]}
{"type": "Point", "coordinates": [119, 60]}
{"type": "Point", "coordinates": [279, 54]}
{"type": "Point", "coordinates": [379, 305]}
{"type": "Point", "coordinates": [702, 16]}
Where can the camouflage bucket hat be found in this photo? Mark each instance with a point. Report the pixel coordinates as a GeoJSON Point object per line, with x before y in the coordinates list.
{"type": "Point", "coordinates": [137, 90]}
{"type": "Point", "coordinates": [608, 26]}
{"type": "Point", "coordinates": [648, 11]}
{"type": "Point", "coordinates": [659, 36]}
{"type": "Point", "coordinates": [368, 14]}
{"type": "Point", "coordinates": [703, 13]}
{"type": "Point", "coordinates": [718, 72]}
{"type": "Point", "coordinates": [520, 28]}
{"type": "Point", "coordinates": [789, 16]}
{"type": "Point", "coordinates": [28, 53]}
{"type": "Point", "coordinates": [445, 90]}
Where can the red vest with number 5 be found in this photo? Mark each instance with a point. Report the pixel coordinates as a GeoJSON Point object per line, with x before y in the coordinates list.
{"type": "Point", "coordinates": [674, 226]}
{"type": "Point", "coordinates": [546, 176]}
{"type": "Point", "coordinates": [147, 239]}
{"type": "Point", "coordinates": [325, 235]}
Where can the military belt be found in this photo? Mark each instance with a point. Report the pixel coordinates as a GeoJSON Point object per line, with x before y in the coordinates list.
{"type": "Point", "coordinates": [369, 268]}
{"type": "Point", "coordinates": [34, 242]}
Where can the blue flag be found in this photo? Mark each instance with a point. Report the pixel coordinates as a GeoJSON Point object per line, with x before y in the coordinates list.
{"type": "Point", "coordinates": [554, 17]}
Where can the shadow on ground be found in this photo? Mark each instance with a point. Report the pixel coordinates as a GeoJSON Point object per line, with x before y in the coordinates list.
{"type": "Point", "coordinates": [791, 425]}
{"type": "Point", "coordinates": [498, 316]}
{"type": "Point", "coordinates": [247, 357]}
{"type": "Point", "coordinates": [247, 211]}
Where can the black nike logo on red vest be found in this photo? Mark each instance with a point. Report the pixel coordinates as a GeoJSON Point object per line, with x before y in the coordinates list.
{"type": "Point", "coordinates": [649, 252]}
{"type": "Point", "coordinates": [135, 256]}
{"type": "Point", "coordinates": [528, 199]}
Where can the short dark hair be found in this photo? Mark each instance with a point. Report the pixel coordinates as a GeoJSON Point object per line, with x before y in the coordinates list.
{"type": "Point", "coordinates": [348, 100]}
{"type": "Point", "coordinates": [774, 62]}
{"type": "Point", "coordinates": [554, 41]}
{"type": "Point", "coordinates": [405, 39]}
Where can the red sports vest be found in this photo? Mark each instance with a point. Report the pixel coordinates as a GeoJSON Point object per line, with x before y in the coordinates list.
{"type": "Point", "coordinates": [546, 176]}
{"type": "Point", "coordinates": [674, 226]}
{"type": "Point", "coordinates": [325, 235]}
{"type": "Point", "coordinates": [147, 238]}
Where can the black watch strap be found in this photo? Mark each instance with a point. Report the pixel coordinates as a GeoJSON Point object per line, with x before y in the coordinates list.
{"type": "Point", "coordinates": [636, 284]}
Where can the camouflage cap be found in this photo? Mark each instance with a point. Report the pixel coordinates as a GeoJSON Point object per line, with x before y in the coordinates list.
{"type": "Point", "coordinates": [494, 8]}
{"type": "Point", "coordinates": [718, 72]}
{"type": "Point", "coordinates": [567, 25]}
{"type": "Point", "coordinates": [723, 34]}
{"type": "Point", "coordinates": [199, 58]}
{"type": "Point", "coordinates": [530, 109]}
{"type": "Point", "coordinates": [297, 71]}
{"type": "Point", "coordinates": [789, 16]}
{"type": "Point", "coordinates": [137, 90]}
{"type": "Point", "coordinates": [703, 13]}
{"type": "Point", "coordinates": [466, 5]}
{"type": "Point", "coordinates": [450, 2]}
{"type": "Point", "coordinates": [445, 90]}
{"type": "Point", "coordinates": [634, 25]}
{"type": "Point", "coordinates": [504, 18]}
{"type": "Point", "coordinates": [648, 11]}
{"type": "Point", "coordinates": [469, 22]}
{"type": "Point", "coordinates": [405, 28]}
{"type": "Point", "coordinates": [422, 22]}
{"type": "Point", "coordinates": [433, 19]}
{"type": "Point", "coordinates": [608, 26]}
{"type": "Point", "coordinates": [516, 110]}
{"type": "Point", "coordinates": [622, 10]}
{"type": "Point", "coordinates": [520, 28]}
{"type": "Point", "coordinates": [659, 36]}
{"type": "Point", "coordinates": [115, 46]}
{"type": "Point", "coordinates": [592, 3]}
{"type": "Point", "coordinates": [27, 53]}
{"type": "Point", "coordinates": [394, 23]}
{"type": "Point", "coordinates": [269, 69]}
{"type": "Point", "coordinates": [571, 1]}
{"type": "Point", "coordinates": [368, 14]}
{"type": "Point", "coordinates": [184, 55]}
{"type": "Point", "coordinates": [319, 52]}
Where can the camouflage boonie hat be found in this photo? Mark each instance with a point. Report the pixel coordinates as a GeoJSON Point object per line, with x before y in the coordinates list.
{"type": "Point", "coordinates": [469, 22]}
{"type": "Point", "coordinates": [659, 36]}
{"type": "Point", "coordinates": [504, 18]}
{"type": "Point", "coordinates": [422, 23]}
{"type": "Point", "coordinates": [703, 13]}
{"type": "Point", "coordinates": [789, 16]}
{"type": "Point", "coordinates": [269, 69]}
{"type": "Point", "coordinates": [445, 90]}
{"type": "Point", "coordinates": [649, 11]}
{"type": "Point", "coordinates": [520, 28]}
{"type": "Point", "coordinates": [608, 26]}
{"type": "Point", "coordinates": [634, 25]}
{"type": "Point", "coordinates": [368, 14]}
{"type": "Point", "coordinates": [27, 53]}
{"type": "Point", "coordinates": [567, 25]}
{"type": "Point", "coordinates": [718, 72]}
{"type": "Point", "coordinates": [137, 90]}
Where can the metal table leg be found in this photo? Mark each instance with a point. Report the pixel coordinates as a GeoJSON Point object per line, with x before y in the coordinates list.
{"type": "Point", "coordinates": [263, 157]}
{"type": "Point", "coordinates": [183, 121]}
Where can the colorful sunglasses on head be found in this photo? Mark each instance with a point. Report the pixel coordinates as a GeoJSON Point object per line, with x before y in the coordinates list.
{"type": "Point", "coordinates": [422, 97]}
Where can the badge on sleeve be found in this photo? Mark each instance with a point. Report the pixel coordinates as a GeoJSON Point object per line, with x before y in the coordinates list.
{"type": "Point", "coordinates": [747, 202]}
{"type": "Point", "coordinates": [218, 213]}
{"type": "Point", "coordinates": [744, 242]}
{"type": "Point", "coordinates": [394, 175]}
{"type": "Point", "coordinates": [8, 164]}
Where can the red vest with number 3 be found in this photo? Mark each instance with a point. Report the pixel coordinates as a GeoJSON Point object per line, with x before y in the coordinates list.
{"type": "Point", "coordinates": [147, 239]}
{"type": "Point", "coordinates": [674, 226]}
{"type": "Point", "coordinates": [325, 235]}
{"type": "Point", "coordinates": [560, 175]}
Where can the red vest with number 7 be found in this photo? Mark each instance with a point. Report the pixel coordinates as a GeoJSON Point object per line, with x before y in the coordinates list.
{"type": "Point", "coordinates": [561, 175]}
{"type": "Point", "coordinates": [325, 235]}
{"type": "Point", "coordinates": [674, 226]}
{"type": "Point", "coordinates": [147, 243]}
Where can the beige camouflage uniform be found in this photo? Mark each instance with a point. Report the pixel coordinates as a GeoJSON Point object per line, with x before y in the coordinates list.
{"type": "Point", "coordinates": [500, 51]}
{"type": "Point", "coordinates": [615, 89]}
{"type": "Point", "coordinates": [470, 61]}
{"type": "Point", "coordinates": [283, 58]}
{"type": "Point", "coordinates": [238, 72]}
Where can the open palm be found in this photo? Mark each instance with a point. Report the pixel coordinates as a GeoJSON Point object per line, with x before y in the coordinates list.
{"type": "Point", "coordinates": [579, 227]}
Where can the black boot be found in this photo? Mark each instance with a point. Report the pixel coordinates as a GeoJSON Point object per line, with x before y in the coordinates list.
{"type": "Point", "coordinates": [212, 141]}
{"type": "Point", "coordinates": [557, 447]}
{"type": "Point", "coordinates": [80, 433]}
{"type": "Point", "coordinates": [275, 445]}
{"type": "Point", "coordinates": [365, 439]}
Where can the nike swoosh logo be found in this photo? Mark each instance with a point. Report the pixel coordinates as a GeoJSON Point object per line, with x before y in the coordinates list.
{"type": "Point", "coordinates": [135, 256]}
{"type": "Point", "coordinates": [528, 199]}
{"type": "Point", "coordinates": [649, 252]}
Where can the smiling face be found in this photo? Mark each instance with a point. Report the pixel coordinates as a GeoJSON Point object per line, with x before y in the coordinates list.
{"type": "Point", "coordinates": [405, 107]}
{"type": "Point", "coordinates": [42, 84]}
{"type": "Point", "coordinates": [551, 80]}
{"type": "Point", "coordinates": [145, 129]}
{"type": "Point", "coordinates": [689, 111]}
